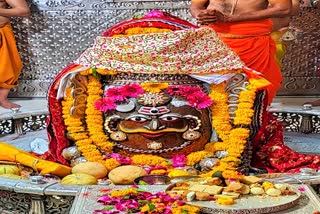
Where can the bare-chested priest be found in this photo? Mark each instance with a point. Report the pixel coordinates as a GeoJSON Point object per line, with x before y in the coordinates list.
{"type": "Point", "coordinates": [245, 26]}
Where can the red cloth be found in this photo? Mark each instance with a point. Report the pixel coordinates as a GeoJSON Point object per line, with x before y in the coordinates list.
{"type": "Point", "coordinates": [255, 47]}
{"type": "Point", "coordinates": [56, 129]}
{"type": "Point", "coordinates": [269, 151]}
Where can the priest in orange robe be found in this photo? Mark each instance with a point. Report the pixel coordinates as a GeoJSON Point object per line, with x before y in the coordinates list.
{"type": "Point", "coordinates": [10, 62]}
{"type": "Point", "coordinates": [245, 26]}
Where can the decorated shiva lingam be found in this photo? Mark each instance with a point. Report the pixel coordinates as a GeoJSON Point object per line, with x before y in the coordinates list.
{"type": "Point", "coordinates": [144, 95]}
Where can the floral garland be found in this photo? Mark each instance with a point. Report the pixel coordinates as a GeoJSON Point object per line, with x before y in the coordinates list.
{"type": "Point", "coordinates": [235, 141]}
{"type": "Point", "coordinates": [93, 139]}
{"type": "Point", "coordinates": [193, 94]}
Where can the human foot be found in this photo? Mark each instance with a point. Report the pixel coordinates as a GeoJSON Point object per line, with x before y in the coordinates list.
{"type": "Point", "coordinates": [314, 103]}
{"type": "Point", "coordinates": [8, 105]}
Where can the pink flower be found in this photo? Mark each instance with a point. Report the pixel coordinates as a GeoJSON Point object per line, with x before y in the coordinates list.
{"type": "Point", "coordinates": [191, 90]}
{"type": "Point", "coordinates": [132, 90]}
{"type": "Point", "coordinates": [116, 94]}
{"type": "Point", "coordinates": [179, 160]}
{"type": "Point", "coordinates": [175, 90]}
{"type": "Point", "coordinates": [200, 100]}
{"type": "Point", "coordinates": [124, 160]}
{"type": "Point", "coordinates": [104, 105]}
{"type": "Point", "coordinates": [302, 189]}
{"type": "Point", "coordinates": [154, 14]}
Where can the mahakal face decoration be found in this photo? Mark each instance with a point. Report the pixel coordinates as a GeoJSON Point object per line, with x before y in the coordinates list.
{"type": "Point", "coordinates": [155, 126]}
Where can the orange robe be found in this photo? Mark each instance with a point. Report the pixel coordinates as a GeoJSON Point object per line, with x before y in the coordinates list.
{"type": "Point", "coordinates": [252, 42]}
{"type": "Point", "coordinates": [10, 61]}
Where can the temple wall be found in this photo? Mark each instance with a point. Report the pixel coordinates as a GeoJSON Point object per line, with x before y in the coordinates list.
{"type": "Point", "coordinates": [60, 30]}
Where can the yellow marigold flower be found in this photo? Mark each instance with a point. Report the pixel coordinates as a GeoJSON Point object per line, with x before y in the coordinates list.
{"type": "Point", "coordinates": [75, 129]}
{"type": "Point", "coordinates": [92, 153]}
{"type": "Point", "coordinates": [78, 136]}
{"type": "Point", "coordinates": [158, 172]}
{"type": "Point", "coordinates": [150, 160]}
{"type": "Point", "coordinates": [124, 192]}
{"type": "Point", "coordinates": [154, 87]}
{"type": "Point", "coordinates": [231, 174]}
{"type": "Point", "coordinates": [99, 137]}
{"type": "Point", "coordinates": [178, 172]}
{"type": "Point", "coordinates": [230, 159]}
{"type": "Point", "coordinates": [96, 158]}
{"type": "Point", "coordinates": [245, 105]}
{"type": "Point", "coordinates": [220, 146]}
{"type": "Point", "coordinates": [111, 164]}
{"type": "Point", "coordinates": [185, 209]}
{"type": "Point", "coordinates": [95, 117]}
{"type": "Point", "coordinates": [209, 147]}
{"type": "Point", "coordinates": [95, 91]}
{"type": "Point", "coordinates": [105, 146]}
{"type": "Point", "coordinates": [92, 111]}
{"type": "Point", "coordinates": [145, 209]}
{"type": "Point", "coordinates": [240, 121]}
{"type": "Point", "coordinates": [240, 133]}
{"type": "Point", "coordinates": [92, 98]}
{"type": "Point", "coordinates": [195, 157]}
{"type": "Point", "coordinates": [86, 72]}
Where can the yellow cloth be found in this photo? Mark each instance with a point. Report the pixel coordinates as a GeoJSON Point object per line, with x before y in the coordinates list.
{"type": "Point", "coordinates": [11, 153]}
{"type": "Point", "coordinates": [281, 46]}
{"type": "Point", "coordinates": [10, 62]}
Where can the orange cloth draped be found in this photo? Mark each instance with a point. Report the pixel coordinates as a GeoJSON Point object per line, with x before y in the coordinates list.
{"type": "Point", "coordinates": [252, 42]}
{"type": "Point", "coordinates": [11, 153]}
{"type": "Point", "coordinates": [10, 62]}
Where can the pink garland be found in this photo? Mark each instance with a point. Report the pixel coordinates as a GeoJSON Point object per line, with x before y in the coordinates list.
{"type": "Point", "coordinates": [193, 94]}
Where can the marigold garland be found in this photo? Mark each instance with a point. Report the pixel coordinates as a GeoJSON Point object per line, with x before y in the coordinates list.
{"type": "Point", "coordinates": [150, 160]}
{"type": "Point", "coordinates": [233, 139]}
{"type": "Point", "coordinates": [94, 118]}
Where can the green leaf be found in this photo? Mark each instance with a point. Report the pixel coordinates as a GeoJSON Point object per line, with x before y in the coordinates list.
{"type": "Point", "coordinates": [151, 206]}
{"type": "Point", "coordinates": [184, 211]}
{"type": "Point", "coordinates": [143, 183]}
{"type": "Point", "coordinates": [217, 174]}
{"type": "Point", "coordinates": [95, 73]}
{"type": "Point", "coordinates": [133, 211]}
{"type": "Point", "coordinates": [143, 201]}
{"type": "Point", "coordinates": [108, 208]}
{"type": "Point", "coordinates": [140, 190]}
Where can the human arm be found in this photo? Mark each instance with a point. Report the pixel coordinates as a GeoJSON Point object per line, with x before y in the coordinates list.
{"type": "Point", "coordinates": [197, 7]}
{"type": "Point", "coordinates": [199, 11]}
{"type": "Point", "coordinates": [283, 23]}
{"type": "Point", "coordinates": [17, 8]}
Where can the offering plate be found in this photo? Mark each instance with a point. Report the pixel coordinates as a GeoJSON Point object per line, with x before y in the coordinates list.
{"type": "Point", "coordinates": [249, 204]}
